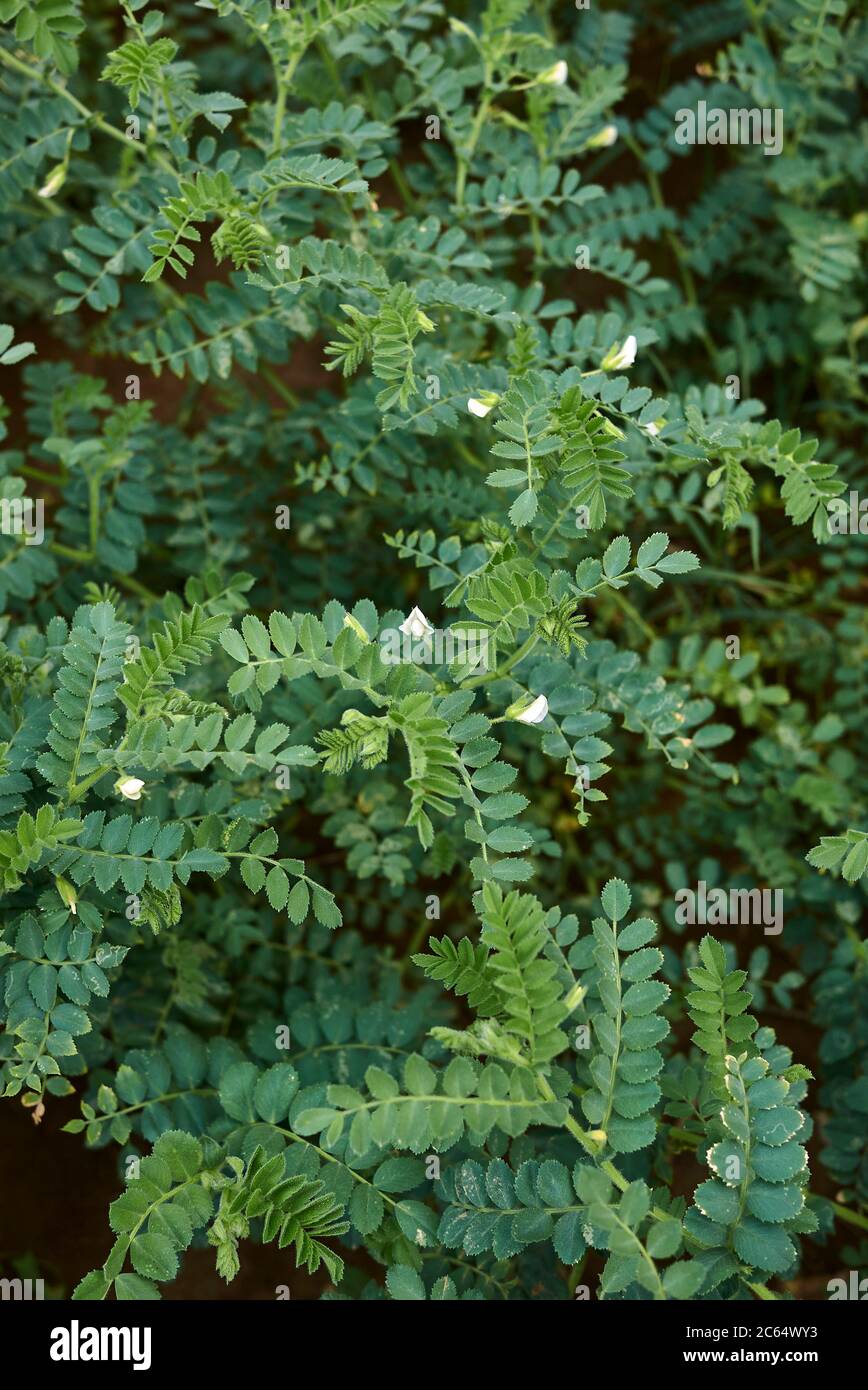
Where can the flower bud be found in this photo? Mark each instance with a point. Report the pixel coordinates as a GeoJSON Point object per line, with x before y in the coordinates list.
{"type": "Point", "coordinates": [618, 357]}
{"type": "Point", "coordinates": [532, 711]}
{"type": "Point", "coordinates": [130, 787]}
{"type": "Point", "coordinates": [55, 181]}
{"type": "Point", "coordinates": [607, 136]}
{"type": "Point", "coordinates": [555, 76]}
{"type": "Point", "coordinates": [483, 403]}
{"type": "Point", "coordinates": [67, 893]}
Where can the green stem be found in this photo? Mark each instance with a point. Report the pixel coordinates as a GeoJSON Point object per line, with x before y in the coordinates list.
{"type": "Point", "coordinates": [475, 132]}
{"type": "Point", "coordinates": [855, 1218]}
{"type": "Point", "coordinates": [762, 1292]}
{"type": "Point", "coordinates": [26, 470]}
{"type": "Point", "coordinates": [280, 105]}
{"type": "Point", "coordinates": [90, 116]}
{"type": "Point", "coordinates": [279, 386]}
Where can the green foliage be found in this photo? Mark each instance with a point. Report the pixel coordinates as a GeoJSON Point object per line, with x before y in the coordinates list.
{"type": "Point", "coordinates": [183, 642]}
{"type": "Point", "coordinates": [24, 846]}
{"type": "Point", "coordinates": [717, 1007]}
{"type": "Point", "coordinates": [137, 67]}
{"type": "Point", "coordinates": [51, 28]}
{"type": "Point", "coordinates": [155, 1218]}
{"type": "Point", "coordinates": [431, 541]}
{"type": "Point", "coordinates": [748, 1211]}
{"type": "Point", "coordinates": [635, 1242]}
{"type": "Point", "coordinates": [627, 1027]}
{"type": "Point", "coordinates": [84, 702]}
{"type": "Point", "coordinates": [461, 968]}
{"type": "Point", "coordinates": [195, 200]}
{"type": "Point", "coordinates": [494, 1208]}
{"type": "Point", "coordinates": [847, 853]}
{"type": "Point", "coordinates": [531, 1006]}
{"type": "Point", "coordinates": [10, 352]}
{"type": "Point", "coordinates": [293, 1211]}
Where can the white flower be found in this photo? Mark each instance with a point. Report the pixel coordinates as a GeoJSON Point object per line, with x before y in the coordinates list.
{"type": "Point", "coordinates": [480, 405]}
{"type": "Point", "coordinates": [416, 624]}
{"type": "Point", "coordinates": [607, 136]}
{"type": "Point", "coordinates": [624, 356]}
{"type": "Point", "coordinates": [535, 712]}
{"type": "Point", "coordinates": [554, 76]}
{"type": "Point", "coordinates": [130, 787]}
{"type": "Point", "coordinates": [54, 182]}
{"type": "Point", "coordinates": [651, 428]}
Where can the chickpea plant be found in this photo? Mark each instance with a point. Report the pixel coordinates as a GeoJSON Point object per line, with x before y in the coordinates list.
{"type": "Point", "coordinates": [432, 544]}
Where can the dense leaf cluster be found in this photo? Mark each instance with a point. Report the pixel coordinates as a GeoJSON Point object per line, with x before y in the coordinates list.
{"type": "Point", "coordinates": [430, 545]}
